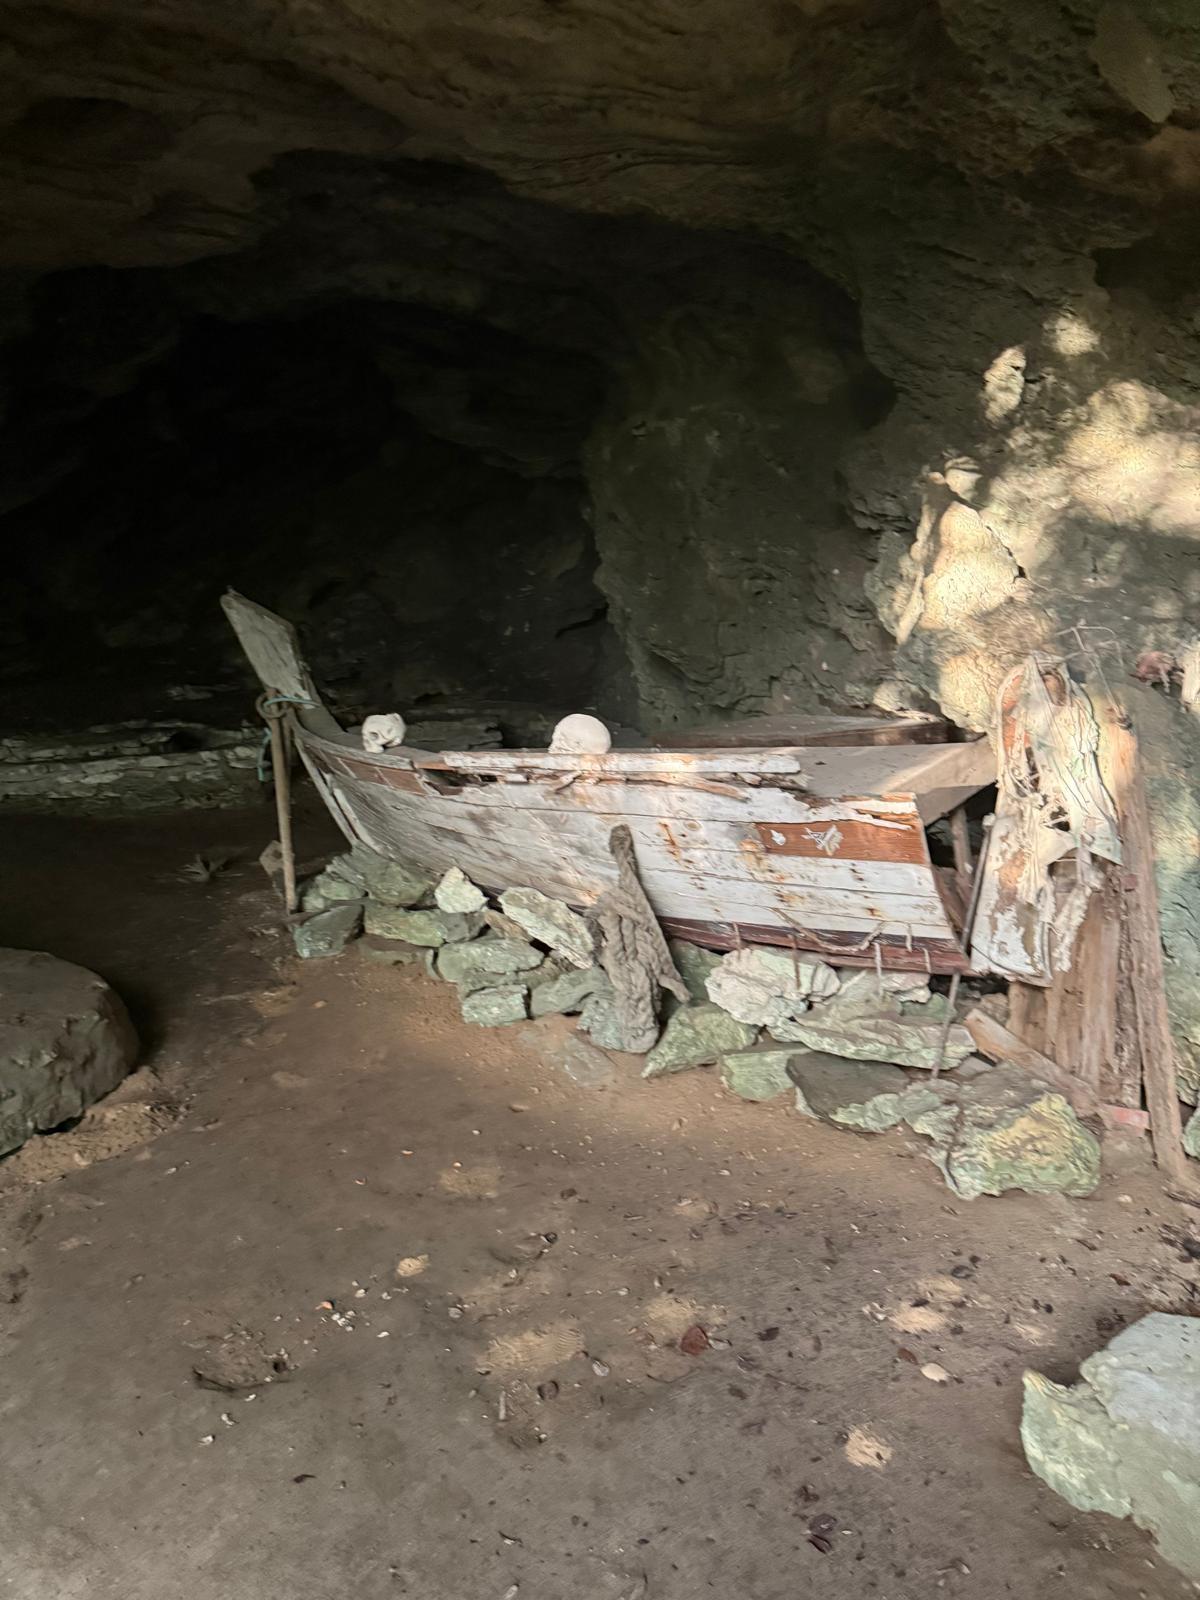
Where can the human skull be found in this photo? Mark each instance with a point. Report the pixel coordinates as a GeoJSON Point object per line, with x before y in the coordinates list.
{"type": "Point", "coordinates": [381, 733]}
{"type": "Point", "coordinates": [580, 735]}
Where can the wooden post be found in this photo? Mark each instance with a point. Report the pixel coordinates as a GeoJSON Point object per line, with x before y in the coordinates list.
{"type": "Point", "coordinates": [273, 715]}
{"type": "Point", "coordinates": [1145, 947]}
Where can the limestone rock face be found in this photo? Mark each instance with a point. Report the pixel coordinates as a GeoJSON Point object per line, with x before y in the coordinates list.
{"type": "Point", "coordinates": [65, 1040]}
{"type": "Point", "coordinates": [1125, 1439]}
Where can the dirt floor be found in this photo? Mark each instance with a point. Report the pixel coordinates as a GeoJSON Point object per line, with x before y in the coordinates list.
{"type": "Point", "coordinates": [480, 1273]}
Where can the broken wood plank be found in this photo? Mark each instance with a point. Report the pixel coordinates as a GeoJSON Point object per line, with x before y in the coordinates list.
{"type": "Point", "coordinates": [993, 1039]}
{"type": "Point", "coordinates": [1155, 1040]}
{"type": "Point", "coordinates": [1027, 1013]}
{"type": "Point", "coordinates": [818, 728]}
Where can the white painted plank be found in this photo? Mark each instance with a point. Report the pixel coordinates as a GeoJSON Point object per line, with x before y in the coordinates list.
{"type": "Point", "coordinates": [578, 868]}
{"type": "Point", "coordinates": [681, 763]}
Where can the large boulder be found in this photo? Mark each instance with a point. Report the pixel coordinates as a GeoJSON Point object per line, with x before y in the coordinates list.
{"type": "Point", "coordinates": [1006, 1130]}
{"type": "Point", "coordinates": [65, 1040]}
{"type": "Point", "coordinates": [1125, 1439]}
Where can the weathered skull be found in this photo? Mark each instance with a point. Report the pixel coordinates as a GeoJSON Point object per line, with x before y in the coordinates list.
{"type": "Point", "coordinates": [381, 733]}
{"type": "Point", "coordinates": [580, 734]}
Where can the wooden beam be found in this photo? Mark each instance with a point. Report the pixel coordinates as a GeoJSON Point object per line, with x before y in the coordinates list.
{"type": "Point", "coordinates": [993, 1039]}
{"type": "Point", "coordinates": [1145, 948]}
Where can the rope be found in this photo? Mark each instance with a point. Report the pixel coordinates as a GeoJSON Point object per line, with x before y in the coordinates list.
{"type": "Point", "coordinates": [260, 705]}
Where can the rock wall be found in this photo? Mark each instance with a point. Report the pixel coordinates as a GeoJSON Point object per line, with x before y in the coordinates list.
{"type": "Point", "coordinates": [862, 335]}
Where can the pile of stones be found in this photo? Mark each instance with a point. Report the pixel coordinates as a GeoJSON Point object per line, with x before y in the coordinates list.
{"type": "Point", "coordinates": [852, 1047]}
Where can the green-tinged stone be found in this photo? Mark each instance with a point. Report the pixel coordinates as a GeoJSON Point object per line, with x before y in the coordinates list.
{"type": "Point", "coordinates": [551, 923]}
{"type": "Point", "coordinates": [763, 986]}
{"type": "Point", "coordinates": [567, 992]}
{"type": "Point", "coordinates": [1006, 1131]}
{"type": "Point", "coordinates": [693, 964]}
{"type": "Point", "coordinates": [489, 1008]}
{"type": "Point", "coordinates": [598, 1019]}
{"type": "Point", "coordinates": [433, 928]}
{"type": "Point", "coordinates": [1125, 1439]}
{"type": "Point", "coordinates": [757, 1074]}
{"type": "Point", "coordinates": [695, 1035]}
{"type": "Point", "coordinates": [327, 932]}
{"type": "Point", "coordinates": [482, 960]}
{"type": "Point", "coordinates": [389, 952]}
{"type": "Point", "coordinates": [391, 883]}
{"type": "Point", "coordinates": [456, 892]}
{"type": "Point", "coordinates": [904, 1034]}
{"type": "Point", "coordinates": [328, 889]}
{"type": "Point", "coordinates": [856, 1094]}
{"type": "Point", "coordinates": [1191, 1134]}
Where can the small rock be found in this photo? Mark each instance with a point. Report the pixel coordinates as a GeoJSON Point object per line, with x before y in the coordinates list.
{"type": "Point", "coordinates": [456, 892]}
{"type": "Point", "coordinates": [327, 933]}
{"type": "Point", "coordinates": [430, 928]}
{"type": "Point", "coordinates": [598, 1018]}
{"type": "Point", "coordinates": [696, 1035]}
{"type": "Point", "coordinates": [389, 952]}
{"type": "Point", "coordinates": [489, 1008]}
{"type": "Point", "coordinates": [391, 883]}
{"type": "Point", "coordinates": [551, 923]}
{"type": "Point", "coordinates": [479, 963]}
{"type": "Point", "coordinates": [1124, 1439]}
{"type": "Point", "coordinates": [757, 1074]}
{"type": "Point", "coordinates": [694, 965]}
{"type": "Point", "coordinates": [766, 987]}
{"type": "Point", "coordinates": [329, 889]}
{"type": "Point", "coordinates": [935, 1373]}
{"type": "Point", "coordinates": [886, 1030]}
{"type": "Point", "coordinates": [238, 1360]}
{"type": "Point", "coordinates": [585, 1065]}
{"type": "Point", "coordinates": [65, 1040]}
{"type": "Point", "coordinates": [567, 992]}
{"type": "Point", "coordinates": [856, 1094]}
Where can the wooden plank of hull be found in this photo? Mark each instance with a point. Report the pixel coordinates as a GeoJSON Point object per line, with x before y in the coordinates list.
{"type": "Point", "coordinates": [617, 763]}
{"type": "Point", "coordinates": [896, 954]}
{"type": "Point", "coordinates": [729, 879]}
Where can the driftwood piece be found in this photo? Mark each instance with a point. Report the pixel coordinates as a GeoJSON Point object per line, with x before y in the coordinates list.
{"type": "Point", "coordinates": [634, 951]}
{"type": "Point", "coordinates": [1145, 950]}
{"type": "Point", "coordinates": [994, 1040]}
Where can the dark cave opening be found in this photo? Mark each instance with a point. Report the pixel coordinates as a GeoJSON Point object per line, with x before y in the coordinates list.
{"type": "Point", "coordinates": [496, 460]}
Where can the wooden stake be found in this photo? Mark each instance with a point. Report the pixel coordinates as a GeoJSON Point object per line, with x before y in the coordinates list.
{"type": "Point", "coordinates": [1145, 950]}
{"type": "Point", "coordinates": [273, 715]}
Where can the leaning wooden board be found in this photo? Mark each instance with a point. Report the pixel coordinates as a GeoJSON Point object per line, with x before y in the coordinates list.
{"type": "Point", "coordinates": [816, 849]}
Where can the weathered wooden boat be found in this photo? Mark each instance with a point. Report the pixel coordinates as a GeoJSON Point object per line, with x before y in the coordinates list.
{"type": "Point", "coordinates": [815, 846]}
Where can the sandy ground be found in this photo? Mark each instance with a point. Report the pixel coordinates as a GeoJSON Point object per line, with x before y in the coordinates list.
{"type": "Point", "coordinates": [480, 1274]}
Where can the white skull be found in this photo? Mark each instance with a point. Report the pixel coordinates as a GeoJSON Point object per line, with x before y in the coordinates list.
{"type": "Point", "coordinates": [381, 733]}
{"type": "Point", "coordinates": [580, 734]}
